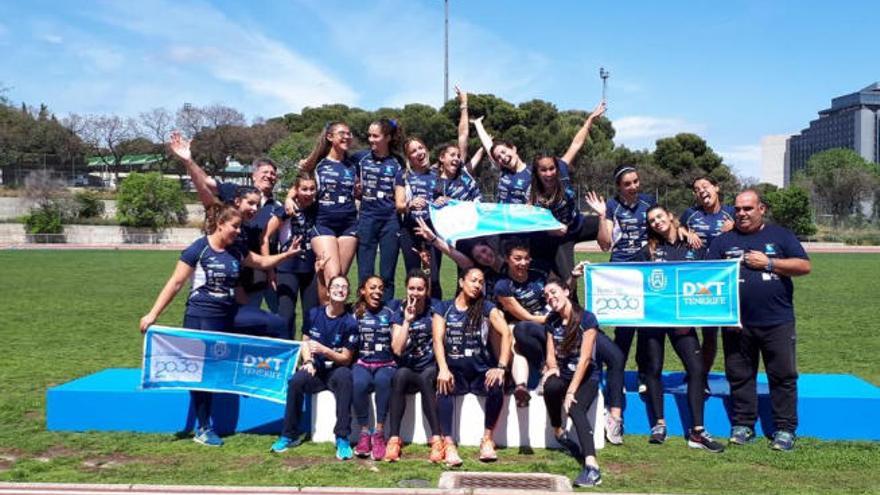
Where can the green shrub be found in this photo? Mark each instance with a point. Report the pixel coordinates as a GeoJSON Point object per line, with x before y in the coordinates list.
{"type": "Point", "coordinates": [44, 219]}
{"type": "Point", "coordinates": [790, 207]}
{"type": "Point", "coordinates": [88, 204]}
{"type": "Point", "coordinates": [149, 200]}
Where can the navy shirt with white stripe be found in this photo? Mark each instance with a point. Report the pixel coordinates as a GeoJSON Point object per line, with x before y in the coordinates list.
{"type": "Point", "coordinates": [417, 185]}
{"type": "Point", "coordinates": [567, 362]}
{"type": "Point", "coordinates": [297, 225]}
{"type": "Point", "coordinates": [630, 226]}
{"type": "Point", "coordinates": [374, 334]}
{"type": "Point", "coordinates": [215, 275]}
{"type": "Point", "coordinates": [377, 177]}
{"type": "Point", "coordinates": [706, 225]}
{"type": "Point", "coordinates": [335, 198]}
{"type": "Point", "coordinates": [765, 299]}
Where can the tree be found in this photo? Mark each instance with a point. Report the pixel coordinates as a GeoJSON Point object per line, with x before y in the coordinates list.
{"type": "Point", "coordinates": [839, 180]}
{"type": "Point", "coordinates": [106, 135]}
{"type": "Point", "coordinates": [149, 200]}
{"type": "Point", "coordinates": [156, 125]}
{"type": "Point", "coordinates": [790, 207]}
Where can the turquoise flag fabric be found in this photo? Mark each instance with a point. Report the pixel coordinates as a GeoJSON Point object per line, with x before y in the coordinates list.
{"type": "Point", "coordinates": [468, 219]}
{"type": "Point", "coordinates": [178, 358]}
{"type": "Point", "coordinates": [664, 294]}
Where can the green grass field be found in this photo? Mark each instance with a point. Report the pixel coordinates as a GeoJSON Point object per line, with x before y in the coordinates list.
{"type": "Point", "coordinates": [65, 314]}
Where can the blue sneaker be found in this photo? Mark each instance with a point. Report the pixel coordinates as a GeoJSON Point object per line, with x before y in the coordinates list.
{"type": "Point", "coordinates": [590, 476]}
{"type": "Point", "coordinates": [741, 435]}
{"type": "Point", "coordinates": [206, 436]}
{"type": "Point", "coordinates": [343, 449]}
{"type": "Point", "coordinates": [783, 441]}
{"type": "Point", "coordinates": [283, 443]}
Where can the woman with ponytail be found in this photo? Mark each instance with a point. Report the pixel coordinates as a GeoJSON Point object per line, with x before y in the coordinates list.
{"type": "Point", "coordinates": [213, 265]}
{"type": "Point", "coordinates": [414, 191]}
{"type": "Point", "coordinates": [472, 348]}
{"type": "Point", "coordinates": [378, 225]}
{"type": "Point", "coordinates": [336, 222]}
{"type": "Point", "coordinates": [572, 377]}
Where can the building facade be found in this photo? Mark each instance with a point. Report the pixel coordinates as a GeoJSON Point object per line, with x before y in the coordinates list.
{"type": "Point", "coordinates": [774, 160]}
{"type": "Point", "coordinates": [853, 122]}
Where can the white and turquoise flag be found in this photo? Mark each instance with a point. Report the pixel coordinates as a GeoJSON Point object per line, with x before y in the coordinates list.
{"type": "Point", "coordinates": [666, 294]}
{"type": "Point", "coordinates": [468, 219]}
{"type": "Point", "coordinates": [178, 358]}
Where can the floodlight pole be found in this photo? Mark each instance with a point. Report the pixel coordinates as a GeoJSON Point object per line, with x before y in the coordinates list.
{"type": "Point", "coordinates": [604, 74]}
{"type": "Point", "coordinates": [446, 51]}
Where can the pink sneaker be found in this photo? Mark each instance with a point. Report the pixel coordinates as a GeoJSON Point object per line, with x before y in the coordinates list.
{"type": "Point", "coordinates": [363, 447]}
{"type": "Point", "coordinates": [378, 445]}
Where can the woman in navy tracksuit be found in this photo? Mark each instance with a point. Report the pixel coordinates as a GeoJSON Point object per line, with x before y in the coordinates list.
{"type": "Point", "coordinates": [551, 189]}
{"type": "Point", "coordinates": [379, 226]}
{"type": "Point", "coordinates": [375, 366]}
{"type": "Point", "coordinates": [213, 263]}
{"type": "Point", "coordinates": [295, 278]}
{"type": "Point", "coordinates": [572, 382]}
{"type": "Point", "coordinates": [707, 219]}
{"type": "Point", "coordinates": [665, 244]}
{"type": "Point", "coordinates": [472, 349]}
{"type": "Point", "coordinates": [417, 371]}
{"type": "Point", "coordinates": [414, 191]}
{"type": "Point", "coordinates": [330, 339]}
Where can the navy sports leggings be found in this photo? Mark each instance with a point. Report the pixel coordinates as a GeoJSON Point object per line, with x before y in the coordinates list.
{"type": "Point", "coordinates": [364, 381]}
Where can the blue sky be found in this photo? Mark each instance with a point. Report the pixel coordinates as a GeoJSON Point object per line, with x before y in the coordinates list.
{"type": "Point", "coordinates": [730, 71]}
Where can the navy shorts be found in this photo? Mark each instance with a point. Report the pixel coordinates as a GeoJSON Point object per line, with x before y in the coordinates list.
{"type": "Point", "coordinates": [341, 226]}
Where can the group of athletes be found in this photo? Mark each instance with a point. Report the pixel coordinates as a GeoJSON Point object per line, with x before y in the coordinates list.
{"type": "Point", "coordinates": [512, 320]}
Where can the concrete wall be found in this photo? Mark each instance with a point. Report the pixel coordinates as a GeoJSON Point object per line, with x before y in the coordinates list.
{"type": "Point", "coordinates": [16, 207]}
{"type": "Point", "coordinates": [13, 233]}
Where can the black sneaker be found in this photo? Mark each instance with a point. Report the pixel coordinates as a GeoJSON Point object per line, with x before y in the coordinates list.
{"type": "Point", "coordinates": [741, 435]}
{"type": "Point", "coordinates": [590, 476]}
{"type": "Point", "coordinates": [658, 434]}
{"type": "Point", "coordinates": [568, 445]}
{"type": "Point", "coordinates": [702, 440]}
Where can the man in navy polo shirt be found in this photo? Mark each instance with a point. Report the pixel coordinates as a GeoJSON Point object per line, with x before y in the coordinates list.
{"type": "Point", "coordinates": [770, 255]}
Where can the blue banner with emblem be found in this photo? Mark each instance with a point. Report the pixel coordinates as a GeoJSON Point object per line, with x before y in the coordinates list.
{"type": "Point", "coordinates": [468, 219]}
{"type": "Point", "coordinates": [664, 294]}
{"type": "Point", "coordinates": [178, 358]}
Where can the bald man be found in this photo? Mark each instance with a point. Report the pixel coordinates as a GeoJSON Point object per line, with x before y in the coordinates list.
{"type": "Point", "coordinates": [770, 256]}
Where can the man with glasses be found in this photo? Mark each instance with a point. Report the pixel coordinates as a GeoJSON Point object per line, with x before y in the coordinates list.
{"type": "Point", "coordinates": [770, 256]}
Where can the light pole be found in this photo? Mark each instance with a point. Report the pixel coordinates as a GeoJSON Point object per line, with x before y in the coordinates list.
{"type": "Point", "coordinates": [446, 51]}
{"type": "Point", "coordinates": [604, 74]}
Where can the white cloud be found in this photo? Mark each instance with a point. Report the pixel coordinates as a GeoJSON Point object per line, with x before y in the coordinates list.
{"type": "Point", "coordinates": [102, 58]}
{"type": "Point", "coordinates": [745, 159]}
{"type": "Point", "coordinates": [197, 36]}
{"type": "Point", "coordinates": [405, 56]}
{"type": "Point", "coordinates": [640, 131]}
{"type": "Point", "coordinates": [53, 39]}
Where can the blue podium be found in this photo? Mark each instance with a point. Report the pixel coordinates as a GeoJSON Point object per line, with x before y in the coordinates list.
{"type": "Point", "coordinates": [110, 400]}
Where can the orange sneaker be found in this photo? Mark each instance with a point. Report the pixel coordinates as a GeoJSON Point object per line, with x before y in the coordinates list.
{"type": "Point", "coordinates": [487, 450]}
{"type": "Point", "coordinates": [392, 450]}
{"type": "Point", "coordinates": [451, 456]}
{"type": "Point", "coordinates": [438, 450]}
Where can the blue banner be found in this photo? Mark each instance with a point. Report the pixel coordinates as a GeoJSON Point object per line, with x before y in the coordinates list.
{"type": "Point", "coordinates": [666, 294]}
{"type": "Point", "coordinates": [178, 358]}
{"type": "Point", "coordinates": [467, 219]}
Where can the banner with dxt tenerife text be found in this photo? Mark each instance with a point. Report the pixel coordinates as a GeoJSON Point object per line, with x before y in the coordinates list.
{"type": "Point", "coordinates": [178, 358]}
{"type": "Point", "coordinates": [664, 294]}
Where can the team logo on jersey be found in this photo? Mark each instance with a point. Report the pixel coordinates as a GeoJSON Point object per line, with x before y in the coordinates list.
{"type": "Point", "coordinates": [769, 248]}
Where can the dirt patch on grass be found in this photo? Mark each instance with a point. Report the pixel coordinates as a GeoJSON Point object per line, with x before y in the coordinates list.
{"type": "Point", "coordinates": [105, 462]}
{"type": "Point", "coordinates": [294, 463]}
{"type": "Point", "coordinates": [54, 452]}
